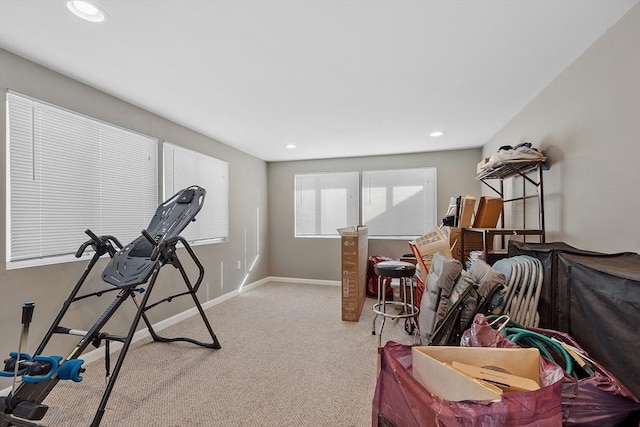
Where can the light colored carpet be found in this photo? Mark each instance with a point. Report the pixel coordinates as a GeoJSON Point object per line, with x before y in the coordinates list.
{"type": "Point", "coordinates": [287, 359]}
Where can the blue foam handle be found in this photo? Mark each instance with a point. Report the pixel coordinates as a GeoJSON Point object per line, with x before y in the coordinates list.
{"type": "Point", "coordinates": [70, 370]}
{"type": "Point", "coordinates": [14, 355]}
{"type": "Point", "coordinates": [53, 360]}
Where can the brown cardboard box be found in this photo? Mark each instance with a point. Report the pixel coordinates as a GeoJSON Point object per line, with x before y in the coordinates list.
{"type": "Point", "coordinates": [506, 382]}
{"type": "Point", "coordinates": [488, 213]}
{"type": "Point", "coordinates": [467, 209]}
{"type": "Point", "coordinates": [472, 242]}
{"type": "Point", "coordinates": [355, 255]}
{"type": "Point", "coordinates": [432, 367]}
{"type": "Point", "coordinates": [480, 165]}
{"type": "Point", "coordinates": [424, 247]}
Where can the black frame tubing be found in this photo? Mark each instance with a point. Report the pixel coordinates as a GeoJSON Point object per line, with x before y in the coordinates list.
{"type": "Point", "coordinates": [168, 253]}
{"type": "Point", "coordinates": [125, 347]}
{"type": "Point", "coordinates": [37, 392]}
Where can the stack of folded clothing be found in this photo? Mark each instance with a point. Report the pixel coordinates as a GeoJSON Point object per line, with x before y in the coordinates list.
{"type": "Point", "coordinates": [507, 153]}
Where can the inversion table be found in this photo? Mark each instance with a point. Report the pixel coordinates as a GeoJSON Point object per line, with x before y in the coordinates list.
{"type": "Point", "coordinates": [137, 264]}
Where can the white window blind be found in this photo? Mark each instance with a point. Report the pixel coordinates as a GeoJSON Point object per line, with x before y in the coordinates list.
{"type": "Point", "coordinates": [184, 168]}
{"type": "Point", "coordinates": [325, 202]}
{"type": "Point", "coordinates": [399, 203]}
{"type": "Point", "coordinates": [68, 172]}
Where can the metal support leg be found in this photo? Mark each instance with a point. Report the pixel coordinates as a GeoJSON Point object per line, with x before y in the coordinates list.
{"type": "Point", "coordinates": [123, 352]}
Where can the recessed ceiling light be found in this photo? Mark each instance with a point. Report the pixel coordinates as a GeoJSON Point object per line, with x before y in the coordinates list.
{"type": "Point", "coordinates": [436, 133]}
{"type": "Point", "coordinates": [290, 146]}
{"type": "Point", "coordinates": [87, 11]}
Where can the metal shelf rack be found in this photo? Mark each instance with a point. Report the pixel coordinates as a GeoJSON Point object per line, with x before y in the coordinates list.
{"type": "Point", "coordinates": [499, 173]}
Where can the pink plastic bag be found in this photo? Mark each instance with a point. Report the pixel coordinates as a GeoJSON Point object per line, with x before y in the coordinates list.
{"type": "Point", "coordinates": [598, 401]}
{"type": "Point", "coordinates": [401, 401]}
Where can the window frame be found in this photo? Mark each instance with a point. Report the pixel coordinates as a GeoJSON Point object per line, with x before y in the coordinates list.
{"type": "Point", "coordinates": [430, 210]}
{"type": "Point", "coordinates": [199, 160]}
{"type": "Point", "coordinates": [360, 206]}
{"type": "Point", "coordinates": [350, 176]}
{"type": "Point", "coordinates": [44, 117]}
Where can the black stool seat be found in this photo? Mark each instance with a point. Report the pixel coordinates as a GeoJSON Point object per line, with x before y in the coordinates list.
{"type": "Point", "coordinates": [395, 269]}
{"type": "Point", "coordinates": [406, 307]}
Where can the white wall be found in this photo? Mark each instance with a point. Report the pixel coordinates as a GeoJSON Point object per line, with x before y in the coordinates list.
{"type": "Point", "coordinates": [320, 258]}
{"type": "Point", "coordinates": [588, 123]}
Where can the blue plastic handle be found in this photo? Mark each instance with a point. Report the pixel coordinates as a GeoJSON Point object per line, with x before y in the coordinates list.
{"type": "Point", "coordinates": [70, 370]}
{"type": "Point", "coordinates": [53, 360]}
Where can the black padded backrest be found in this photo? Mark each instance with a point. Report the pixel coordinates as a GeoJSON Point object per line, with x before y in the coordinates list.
{"type": "Point", "coordinates": [175, 214]}
{"type": "Point", "coordinates": [132, 265]}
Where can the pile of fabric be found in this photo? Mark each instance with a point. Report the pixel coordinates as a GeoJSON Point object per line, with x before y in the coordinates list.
{"type": "Point", "coordinates": [507, 153]}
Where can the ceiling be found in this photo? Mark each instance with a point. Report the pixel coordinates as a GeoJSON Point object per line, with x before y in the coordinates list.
{"type": "Point", "coordinates": [335, 78]}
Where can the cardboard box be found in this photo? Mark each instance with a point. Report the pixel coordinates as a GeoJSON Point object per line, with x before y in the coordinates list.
{"type": "Point", "coordinates": [432, 367]}
{"type": "Point", "coordinates": [354, 258]}
{"type": "Point", "coordinates": [472, 242]}
{"type": "Point", "coordinates": [481, 164]}
{"type": "Point", "coordinates": [424, 247]}
{"type": "Point", "coordinates": [506, 382]}
{"type": "Point", "coordinates": [467, 209]}
{"type": "Point", "coordinates": [488, 213]}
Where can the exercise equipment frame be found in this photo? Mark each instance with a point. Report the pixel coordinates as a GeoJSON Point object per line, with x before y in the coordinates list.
{"type": "Point", "coordinates": [144, 258]}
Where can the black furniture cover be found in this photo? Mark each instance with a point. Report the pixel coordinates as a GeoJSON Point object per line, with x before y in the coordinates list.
{"type": "Point", "coordinates": [595, 298]}
{"type": "Point", "coordinates": [550, 303]}
{"type": "Point", "coordinates": [602, 300]}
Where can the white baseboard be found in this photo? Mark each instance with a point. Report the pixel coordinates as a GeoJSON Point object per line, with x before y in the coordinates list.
{"type": "Point", "coordinates": [305, 281]}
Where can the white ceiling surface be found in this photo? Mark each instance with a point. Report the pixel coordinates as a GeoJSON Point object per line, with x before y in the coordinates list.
{"type": "Point", "coordinates": [335, 78]}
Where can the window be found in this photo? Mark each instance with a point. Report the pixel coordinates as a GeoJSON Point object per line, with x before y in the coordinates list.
{"type": "Point", "coordinates": [399, 203]}
{"type": "Point", "coordinates": [183, 168]}
{"type": "Point", "coordinates": [68, 172]}
{"type": "Point", "coordinates": [325, 202]}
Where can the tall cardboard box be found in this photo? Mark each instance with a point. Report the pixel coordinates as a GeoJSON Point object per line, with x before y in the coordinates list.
{"type": "Point", "coordinates": [354, 244]}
